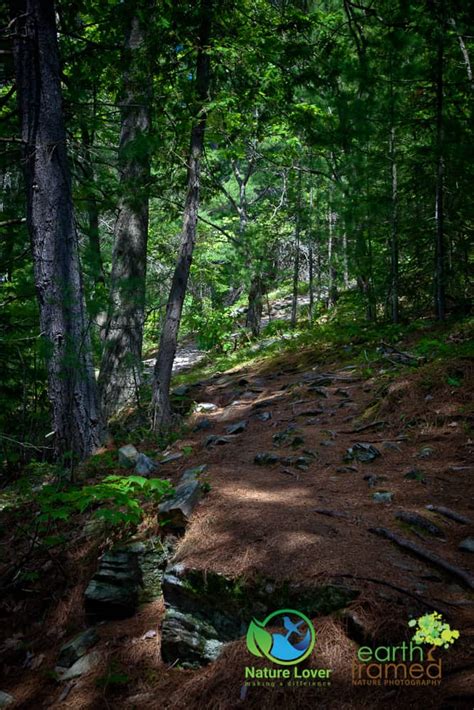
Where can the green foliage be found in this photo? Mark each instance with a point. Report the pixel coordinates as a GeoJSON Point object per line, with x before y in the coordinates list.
{"type": "Point", "coordinates": [99, 463]}
{"type": "Point", "coordinates": [212, 326]}
{"type": "Point", "coordinates": [117, 499]}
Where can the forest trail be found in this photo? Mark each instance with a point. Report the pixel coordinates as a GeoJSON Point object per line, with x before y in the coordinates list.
{"type": "Point", "coordinates": [285, 519]}
{"type": "Point", "coordinates": [189, 354]}
{"type": "Point", "coordinates": [285, 505]}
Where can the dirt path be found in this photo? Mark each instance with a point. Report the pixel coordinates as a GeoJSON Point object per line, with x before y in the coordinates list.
{"type": "Point", "coordinates": [309, 521]}
{"type": "Point", "coordinates": [288, 523]}
{"type": "Point", "coordinates": [306, 521]}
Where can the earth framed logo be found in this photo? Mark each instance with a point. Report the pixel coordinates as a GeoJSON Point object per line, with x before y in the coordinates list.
{"type": "Point", "coordinates": [293, 644]}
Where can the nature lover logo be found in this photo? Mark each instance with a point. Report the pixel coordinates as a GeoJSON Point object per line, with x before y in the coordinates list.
{"type": "Point", "coordinates": [293, 644]}
{"type": "Point", "coordinates": [286, 638]}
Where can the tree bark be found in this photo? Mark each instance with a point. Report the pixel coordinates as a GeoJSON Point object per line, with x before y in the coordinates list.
{"type": "Point", "coordinates": [394, 230]}
{"type": "Point", "coordinates": [255, 307]}
{"type": "Point", "coordinates": [296, 266]}
{"type": "Point", "coordinates": [94, 251]}
{"type": "Point", "coordinates": [345, 260]}
{"type": "Point", "coordinates": [332, 274]}
{"type": "Point", "coordinates": [121, 367]}
{"type": "Point", "coordinates": [161, 407]}
{"type": "Point", "coordinates": [464, 52]}
{"type": "Point", "coordinates": [72, 391]}
{"type": "Point", "coordinates": [440, 296]}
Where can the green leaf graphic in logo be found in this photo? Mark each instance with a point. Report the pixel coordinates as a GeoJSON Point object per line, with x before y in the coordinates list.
{"type": "Point", "coordinates": [259, 641]}
{"type": "Point", "coordinates": [432, 629]}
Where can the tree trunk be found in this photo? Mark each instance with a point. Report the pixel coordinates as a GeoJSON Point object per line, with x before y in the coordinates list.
{"type": "Point", "coordinates": [169, 334]}
{"type": "Point", "coordinates": [345, 260]}
{"type": "Point", "coordinates": [394, 230]}
{"type": "Point", "coordinates": [440, 297]}
{"type": "Point", "coordinates": [71, 385]}
{"type": "Point", "coordinates": [94, 253]}
{"type": "Point", "coordinates": [121, 367]}
{"type": "Point", "coordinates": [255, 307]}
{"type": "Point", "coordinates": [464, 52]}
{"type": "Point", "coordinates": [296, 268]}
{"type": "Point", "coordinates": [332, 274]}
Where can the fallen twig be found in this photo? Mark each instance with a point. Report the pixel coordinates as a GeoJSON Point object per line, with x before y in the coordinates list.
{"type": "Point", "coordinates": [366, 426]}
{"type": "Point", "coordinates": [448, 513]}
{"type": "Point", "coordinates": [373, 580]}
{"type": "Point", "coordinates": [426, 555]}
{"type": "Point", "coordinates": [330, 513]}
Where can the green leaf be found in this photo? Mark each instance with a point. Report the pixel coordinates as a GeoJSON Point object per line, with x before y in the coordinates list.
{"type": "Point", "coordinates": [259, 641]}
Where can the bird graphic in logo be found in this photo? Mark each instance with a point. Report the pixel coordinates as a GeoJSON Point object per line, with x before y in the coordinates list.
{"type": "Point", "coordinates": [292, 644]}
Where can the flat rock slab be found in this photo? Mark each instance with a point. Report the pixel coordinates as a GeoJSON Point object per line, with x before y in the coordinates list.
{"type": "Point", "coordinates": [84, 665]}
{"type": "Point", "coordinates": [174, 512]}
{"type": "Point", "coordinates": [365, 453]}
{"type": "Point", "coordinates": [237, 428]}
{"type": "Point", "coordinates": [127, 576]}
{"type": "Point", "coordinates": [193, 474]}
{"type": "Point", "coordinates": [77, 647]}
{"type": "Point", "coordinates": [113, 591]}
{"type": "Point", "coordinates": [170, 458]}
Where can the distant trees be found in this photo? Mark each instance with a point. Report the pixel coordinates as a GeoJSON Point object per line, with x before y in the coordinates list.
{"type": "Point", "coordinates": [330, 145]}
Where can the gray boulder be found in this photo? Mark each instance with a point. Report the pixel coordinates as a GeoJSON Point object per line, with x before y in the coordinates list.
{"type": "Point", "coordinates": [382, 497]}
{"type": "Point", "coordinates": [145, 466]}
{"type": "Point", "coordinates": [128, 456]}
{"type": "Point", "coordinates": [206, 407]}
